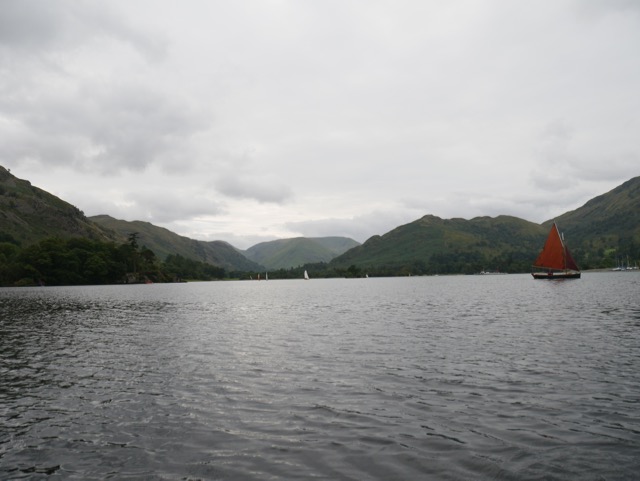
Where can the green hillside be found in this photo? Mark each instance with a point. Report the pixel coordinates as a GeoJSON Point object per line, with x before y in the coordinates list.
{"type": "Point", "coordinates": [602, 233]}
{"type": "Point", "coordinates": [287, 253]}
{"type": "Point", "coordinates": [163, 242]}
{"type": "Point", "coordinates": [607, 228]}
{"type": "Point", "coordinates": [29, 214]}
{"type": "Point", "coordinates": [432, 245]}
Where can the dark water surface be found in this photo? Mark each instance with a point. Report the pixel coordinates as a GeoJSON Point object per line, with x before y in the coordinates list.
{"type": "Point", "coordinates": [443, 378]}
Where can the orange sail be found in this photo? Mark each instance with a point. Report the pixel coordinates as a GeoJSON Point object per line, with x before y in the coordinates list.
{"type": "Point", "coordinates": [569, 262]}
{"type": "Point", "coordinates": [555, 254]}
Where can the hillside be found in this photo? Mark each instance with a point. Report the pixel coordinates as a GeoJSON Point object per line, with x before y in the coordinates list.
{"type": "Point", "coordinates": [29, 214]}
{"type": "Point", "coordinates": [601, 233]}
{"type": "Point", "coordinates": [432, 245]}
{"type": "Point", "coordinates": [287, 253]}
{"type": "Point", "coordinates": [163, 242]}
{"type": "Point", "coordinates": [606, 227]}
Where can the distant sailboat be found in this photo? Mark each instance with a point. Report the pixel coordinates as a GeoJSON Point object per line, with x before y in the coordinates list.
{"type": "Point", "coordinates": [555, 259]}
{"type": "Point", "coordinates": [266, 276]}
{"type": "Point", "coordinates": [306, 276]}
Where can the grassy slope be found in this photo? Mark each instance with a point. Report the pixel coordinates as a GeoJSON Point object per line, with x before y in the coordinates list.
{"type": "Point", "coordinates": [29, 214]}
{"type": "Point", "coordinates": [163, 242]}
{"type": "Point", "coordinates": [609, 221]}
{"type": "Point", "coordinates": [418, 241]}
{"type": "Point", "coordinates": [605, 227]}
{"type": "Point", "coordinates": [286, 253]}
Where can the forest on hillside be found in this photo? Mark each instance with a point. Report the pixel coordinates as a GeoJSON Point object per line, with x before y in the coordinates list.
{"type": "Point", "coordinates": [80, 261]}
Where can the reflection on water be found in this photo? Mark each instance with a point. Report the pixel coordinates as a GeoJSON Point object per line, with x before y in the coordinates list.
{"type": "Point", "coordinates": [477, 377]}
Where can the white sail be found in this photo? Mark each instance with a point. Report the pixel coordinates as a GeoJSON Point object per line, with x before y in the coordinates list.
{"type": "Point", "coordinates": [306, 276]}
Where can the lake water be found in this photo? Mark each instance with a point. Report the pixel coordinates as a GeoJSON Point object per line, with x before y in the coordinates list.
{"type": "Point", "coordinates": [443, 378]}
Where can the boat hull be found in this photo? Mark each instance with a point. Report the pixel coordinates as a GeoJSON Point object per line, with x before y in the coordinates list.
{"type": "Point", "coordinates": [556, 275]}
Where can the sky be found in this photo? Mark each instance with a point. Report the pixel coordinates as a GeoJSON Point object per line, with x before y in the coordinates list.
{"type": "Point", "coordinates": [251, 120]}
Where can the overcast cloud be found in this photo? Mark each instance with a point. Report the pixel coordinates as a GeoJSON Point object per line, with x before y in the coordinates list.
{"type": "Point", "coordinates": [250, 120]}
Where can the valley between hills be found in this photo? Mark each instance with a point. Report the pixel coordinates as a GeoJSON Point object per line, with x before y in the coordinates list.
{"type": "Point", "coordinates": [37, 228]}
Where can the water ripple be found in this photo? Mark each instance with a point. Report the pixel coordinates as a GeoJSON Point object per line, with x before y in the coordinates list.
{"type": "Point", "coordinates": [482, 377]}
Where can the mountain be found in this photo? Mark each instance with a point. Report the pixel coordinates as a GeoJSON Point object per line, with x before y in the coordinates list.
{"type": "Point", "coordinates": [606, 227]}
{"type": "Point", "coordinates": [163, 242]}
{"type": "Point", "coordinates": [601, 233]}
{"type": "Point", "coordinates": [432, 245]}
{"type": "Point", "coordinates": [29, 214]}
{"type": "Point", "coordinates": [603, 230]}
{"type": "Point", "coordinates": [287, 253]}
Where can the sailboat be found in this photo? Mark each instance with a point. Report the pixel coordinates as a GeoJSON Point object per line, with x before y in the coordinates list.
{"type": "Point", "coordinates": [306, 276]}
{"type": "Point", "coordinates": [555, 259]}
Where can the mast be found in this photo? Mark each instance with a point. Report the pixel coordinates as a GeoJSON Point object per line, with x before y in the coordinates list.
{"type": "Point", "coordinates": [564, 247]}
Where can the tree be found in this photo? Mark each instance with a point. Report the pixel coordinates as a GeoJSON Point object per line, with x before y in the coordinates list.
{"type": "Point", "coordinates": [133, 239]}
{"type": "Point", "coordinates": [353, 271]}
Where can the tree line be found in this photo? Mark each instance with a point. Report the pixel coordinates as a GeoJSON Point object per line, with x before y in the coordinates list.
{"type": "Point", "coordinates": [81, 261]}
{"type": "Point", "coordinates": [441, 263]}
{"type": "Point", "coordinates": [437, 264]}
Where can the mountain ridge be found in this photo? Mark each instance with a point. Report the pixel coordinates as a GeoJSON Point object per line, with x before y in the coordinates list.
{"type": "Point", "coordinates": [429, 244]}
{"type": "Point", "coordinates": [164, 242]}
{"type": "Point", "coordinates": [603, 229]}
{"type": "Point", "coordinates": [29, 214]}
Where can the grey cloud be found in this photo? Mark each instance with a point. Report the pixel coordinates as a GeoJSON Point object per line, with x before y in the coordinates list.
{"type": "Point", "coordinates": [103, 128]}
{"type": "Point", "coordinates": [607, 167]}
{"type": "Point", "coordinates": [58, 106]}
{"type": "Point", "coordinates": [152, 206]}
{"type": "Point", "coordinates": [564, 159]}
{"type": "Point", "coordinates": [265, 189]}
{"type": "Point", "coordinates": [359, 228]}
{"type": "Point", "coordinates": [46, 26]}
{"type": "Point", "coordinates": [175, 207]}
{"type": "Point", "coordinates": [29, 23]}
{"type": "Point", "coordinates": [553, 157]}
{"type": "Point", "coordinates": [132, 126]}
{"type": "Point", "coordinates": [604, 7]}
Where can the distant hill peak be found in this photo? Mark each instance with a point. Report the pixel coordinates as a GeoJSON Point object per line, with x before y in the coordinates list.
{"type": "Point", "coordinates": [297, 251]}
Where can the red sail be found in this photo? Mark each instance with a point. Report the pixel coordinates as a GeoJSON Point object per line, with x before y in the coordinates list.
{"type": "Point", "coordinates": [571, 264]}
{"type": "Point", "coordinates": [554, 254]}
